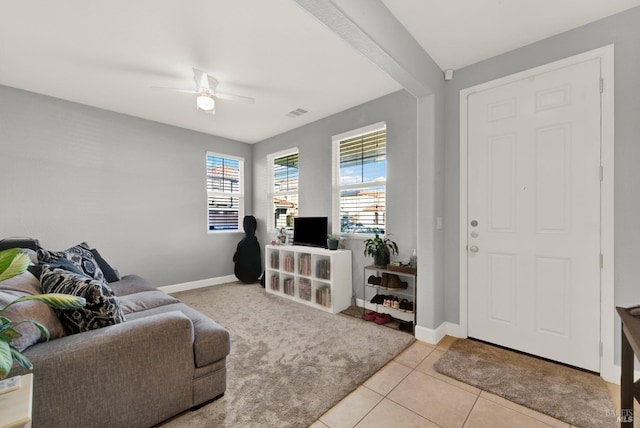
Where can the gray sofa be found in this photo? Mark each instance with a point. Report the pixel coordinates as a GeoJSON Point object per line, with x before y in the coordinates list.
{"type": "Point", "coordinates": [164, 359]}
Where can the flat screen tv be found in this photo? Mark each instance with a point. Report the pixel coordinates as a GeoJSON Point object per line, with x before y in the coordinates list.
{"type": "Point", "coordinates": [310, 231]}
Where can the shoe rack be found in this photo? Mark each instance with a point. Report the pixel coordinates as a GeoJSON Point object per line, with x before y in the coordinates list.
{"type": "Point", "coordinates": [407, 277]}
{"type": "Point", "coordinates": [312, 276]}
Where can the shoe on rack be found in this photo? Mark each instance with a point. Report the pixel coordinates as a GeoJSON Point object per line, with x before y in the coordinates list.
{"type": "Point", "coordinates": [403, 305]}
{"type": "Point", "coordinates": [374, 281]}
{"type": "Point", "coordinates": [378, 299]}
{"type": "Point", "coordinates": [406, 326]}
{"type": "Point", "coordinates": [382, 319]}
{"type": "Point", "coordinates": [410, 307]}
{"type": "Point", "coordinates": [395, 304]}
{"type": "Point", "coordinates": [387, 302]}
{"type": "Point", "coordinates": [370, 316]}
{"type": "Point", "coordinates": [394, 283]}
{"type": "Point", "coordinates": [384, 280]}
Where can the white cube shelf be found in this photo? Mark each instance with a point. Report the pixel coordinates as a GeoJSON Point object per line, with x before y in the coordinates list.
{"type": "Point", "coordinates": [313, 276]}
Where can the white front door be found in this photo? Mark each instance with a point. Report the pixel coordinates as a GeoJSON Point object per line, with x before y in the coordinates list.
{"type": "Point", "coordinates": [533, 211]}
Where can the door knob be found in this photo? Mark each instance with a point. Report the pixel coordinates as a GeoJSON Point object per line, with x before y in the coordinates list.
{"type": "Point", "coordinates": [473, 248]}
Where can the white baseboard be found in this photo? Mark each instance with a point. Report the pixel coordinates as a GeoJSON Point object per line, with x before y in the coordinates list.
{"type": "Point", "coordinates": [433, 336]}
{"type": "Point", "coordinates": [202, 283]}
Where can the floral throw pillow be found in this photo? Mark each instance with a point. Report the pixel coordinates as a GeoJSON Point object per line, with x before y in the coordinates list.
{"type": "Point", "coordinates": [102, 308]}
{"type": "Point", "coordinates": [79, 255]}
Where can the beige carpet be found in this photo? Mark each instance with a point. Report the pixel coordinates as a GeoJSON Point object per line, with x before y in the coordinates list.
{"type": "Point", "coordinates": [289, 363]}
{"type": "Point", "coordinates": [573, 396]}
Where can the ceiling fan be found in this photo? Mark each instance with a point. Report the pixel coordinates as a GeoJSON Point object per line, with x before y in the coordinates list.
{"type": "Point", "coordinates": [207, 94]}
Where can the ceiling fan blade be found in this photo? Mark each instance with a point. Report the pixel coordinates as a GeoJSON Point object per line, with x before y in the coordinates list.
{"type": "Point", "coordinates": [187, 91]}
{"type": "Point", "coordinates": [201, 79]}
{"type": "Point", "coordinates": [232, 97]}
{"type": "Point", "coordinates": [213, 83]}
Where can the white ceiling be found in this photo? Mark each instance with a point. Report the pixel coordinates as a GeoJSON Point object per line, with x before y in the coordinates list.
{"type": "Point", "coordinates": [110, 54]}
{"type": "Point", "coordinates": [457, 33]}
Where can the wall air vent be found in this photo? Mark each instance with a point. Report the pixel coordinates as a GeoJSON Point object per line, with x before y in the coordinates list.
{"type": "Point", "coordinates": [297, 112]}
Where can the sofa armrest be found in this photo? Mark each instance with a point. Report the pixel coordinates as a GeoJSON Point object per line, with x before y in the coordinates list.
{"type": "Point", "coordinates": [137, 373]}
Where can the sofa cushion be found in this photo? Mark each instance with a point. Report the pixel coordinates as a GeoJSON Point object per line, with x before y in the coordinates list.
{"type": "Point", "coordinates": [30, 243]}
{"type": "Point", "coordinates": [130, 284]}
{"type": "Point", "coordinates": [211, 340]}
{"type": "Point", "coordinates": [80, 255]}
{"type": "Point", "coordinates": [144, 300]}
{"type": "Point", "coordinates": [102, 308]}
{"type": "Point", "coordinates": [33, 255]}
{"type": "Point", "coordinates": [25, 285]}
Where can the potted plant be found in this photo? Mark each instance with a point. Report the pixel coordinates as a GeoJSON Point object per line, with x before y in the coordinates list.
{"type": "Point", "coordinates": [332, 241]}
{"type": "Point", "coordinates": [14, 262]}
{"type": "Point", "coordinates": [380, 248]}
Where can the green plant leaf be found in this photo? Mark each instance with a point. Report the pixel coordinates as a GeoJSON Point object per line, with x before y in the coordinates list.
{"type": "Point", "coordinates": [8, 333]}
{"type": "Point", "coordinates": [60, 301]}
{"type": "Point", "coordinates": [55, 300]}
{"type": "Point", "coordinates": [13, 262]}
{"type": "Point", "coordinates": [5, 324]}
{"type": "Point", "coordinates": [21, 359]}
{"type": "Point", "coordinates": [6, 359]}
{"type": "Point", "coordinates": [42, 328]}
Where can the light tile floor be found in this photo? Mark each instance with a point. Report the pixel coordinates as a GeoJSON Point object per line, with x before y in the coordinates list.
{"type": "Point", "coordinates": [408, 392]}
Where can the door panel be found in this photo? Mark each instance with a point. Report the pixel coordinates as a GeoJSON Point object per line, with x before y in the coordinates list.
{"type": "Point", "coordinates": [534, 215]}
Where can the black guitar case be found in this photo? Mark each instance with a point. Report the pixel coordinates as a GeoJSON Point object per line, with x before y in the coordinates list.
{"type": "Point", "coordinates": [247, 258]}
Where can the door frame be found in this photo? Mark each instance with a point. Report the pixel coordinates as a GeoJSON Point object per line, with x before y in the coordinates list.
{"type": "Point", "coordinates": [607, 328]}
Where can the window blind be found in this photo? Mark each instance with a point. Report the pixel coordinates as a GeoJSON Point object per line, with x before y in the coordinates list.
{"type": "Point", "coordinates": [362, 183]}
{"type": "Point", "coordinates": [224, 193]}
{"type": "Point", "coordinates": [285, 173]}
{"type": "Point", "coordinates": [363, 158]}
{"type": "Point", "coordinates": [285, 190]}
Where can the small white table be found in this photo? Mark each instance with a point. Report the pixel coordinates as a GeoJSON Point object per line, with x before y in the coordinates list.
{"type": "Point", "coordinates": [15, 406]}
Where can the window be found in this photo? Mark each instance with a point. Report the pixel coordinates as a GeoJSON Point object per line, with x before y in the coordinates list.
{"type": "Point", "coordinates": [284, 189]}
{"type": "Point", "coordinates": [225, 192]}
{"type": "Point", "coordinates": [360, 176]}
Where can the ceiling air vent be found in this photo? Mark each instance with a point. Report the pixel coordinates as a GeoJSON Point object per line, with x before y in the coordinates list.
{"type": "Point", "coordinates": [297, 112]}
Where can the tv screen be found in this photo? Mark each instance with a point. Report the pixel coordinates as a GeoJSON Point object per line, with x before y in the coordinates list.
{"type": "Point", "coordinates": [311, 231]}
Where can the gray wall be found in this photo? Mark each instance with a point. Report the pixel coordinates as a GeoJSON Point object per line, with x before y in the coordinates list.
{"type": "Point", "coordinates": [399, 111]}
{"type": "Point", "coordinates": [622, 30]}
{"type": "Point", "coordinates": [135, 188]}
{"type": "Point", "coordinates": [132, 188]}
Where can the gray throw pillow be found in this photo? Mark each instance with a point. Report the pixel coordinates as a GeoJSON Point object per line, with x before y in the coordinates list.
{"type": "Point", "coordinates": [25, 285]}
{"type": "Point", "coordinates": [102, 308]}
{"type": "Point", "coordinates": [110, 274]}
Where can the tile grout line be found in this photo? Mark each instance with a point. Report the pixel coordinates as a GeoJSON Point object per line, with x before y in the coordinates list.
{"type": "Point", "coordinates": [398, 384]}
{"type": "Point", "coordinates": [395, 402]}
{"type": "Point", "coordinates": [518, 410]}
{"type": "Point", "coordinates": [466, 419]}
{"type": "Point", "coordinates": [370, 410]}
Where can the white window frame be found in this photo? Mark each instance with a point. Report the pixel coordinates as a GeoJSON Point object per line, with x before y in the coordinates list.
{"type": "Point", "coordinates": [335, 156]}
{"type": "Point", "coordinates": [239, 195]}
{"type": "Point", "coordinates": [271, 193]}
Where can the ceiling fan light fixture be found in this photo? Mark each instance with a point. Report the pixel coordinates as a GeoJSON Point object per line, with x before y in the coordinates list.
{"type": "Point", "coordinates": [205, 102]}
